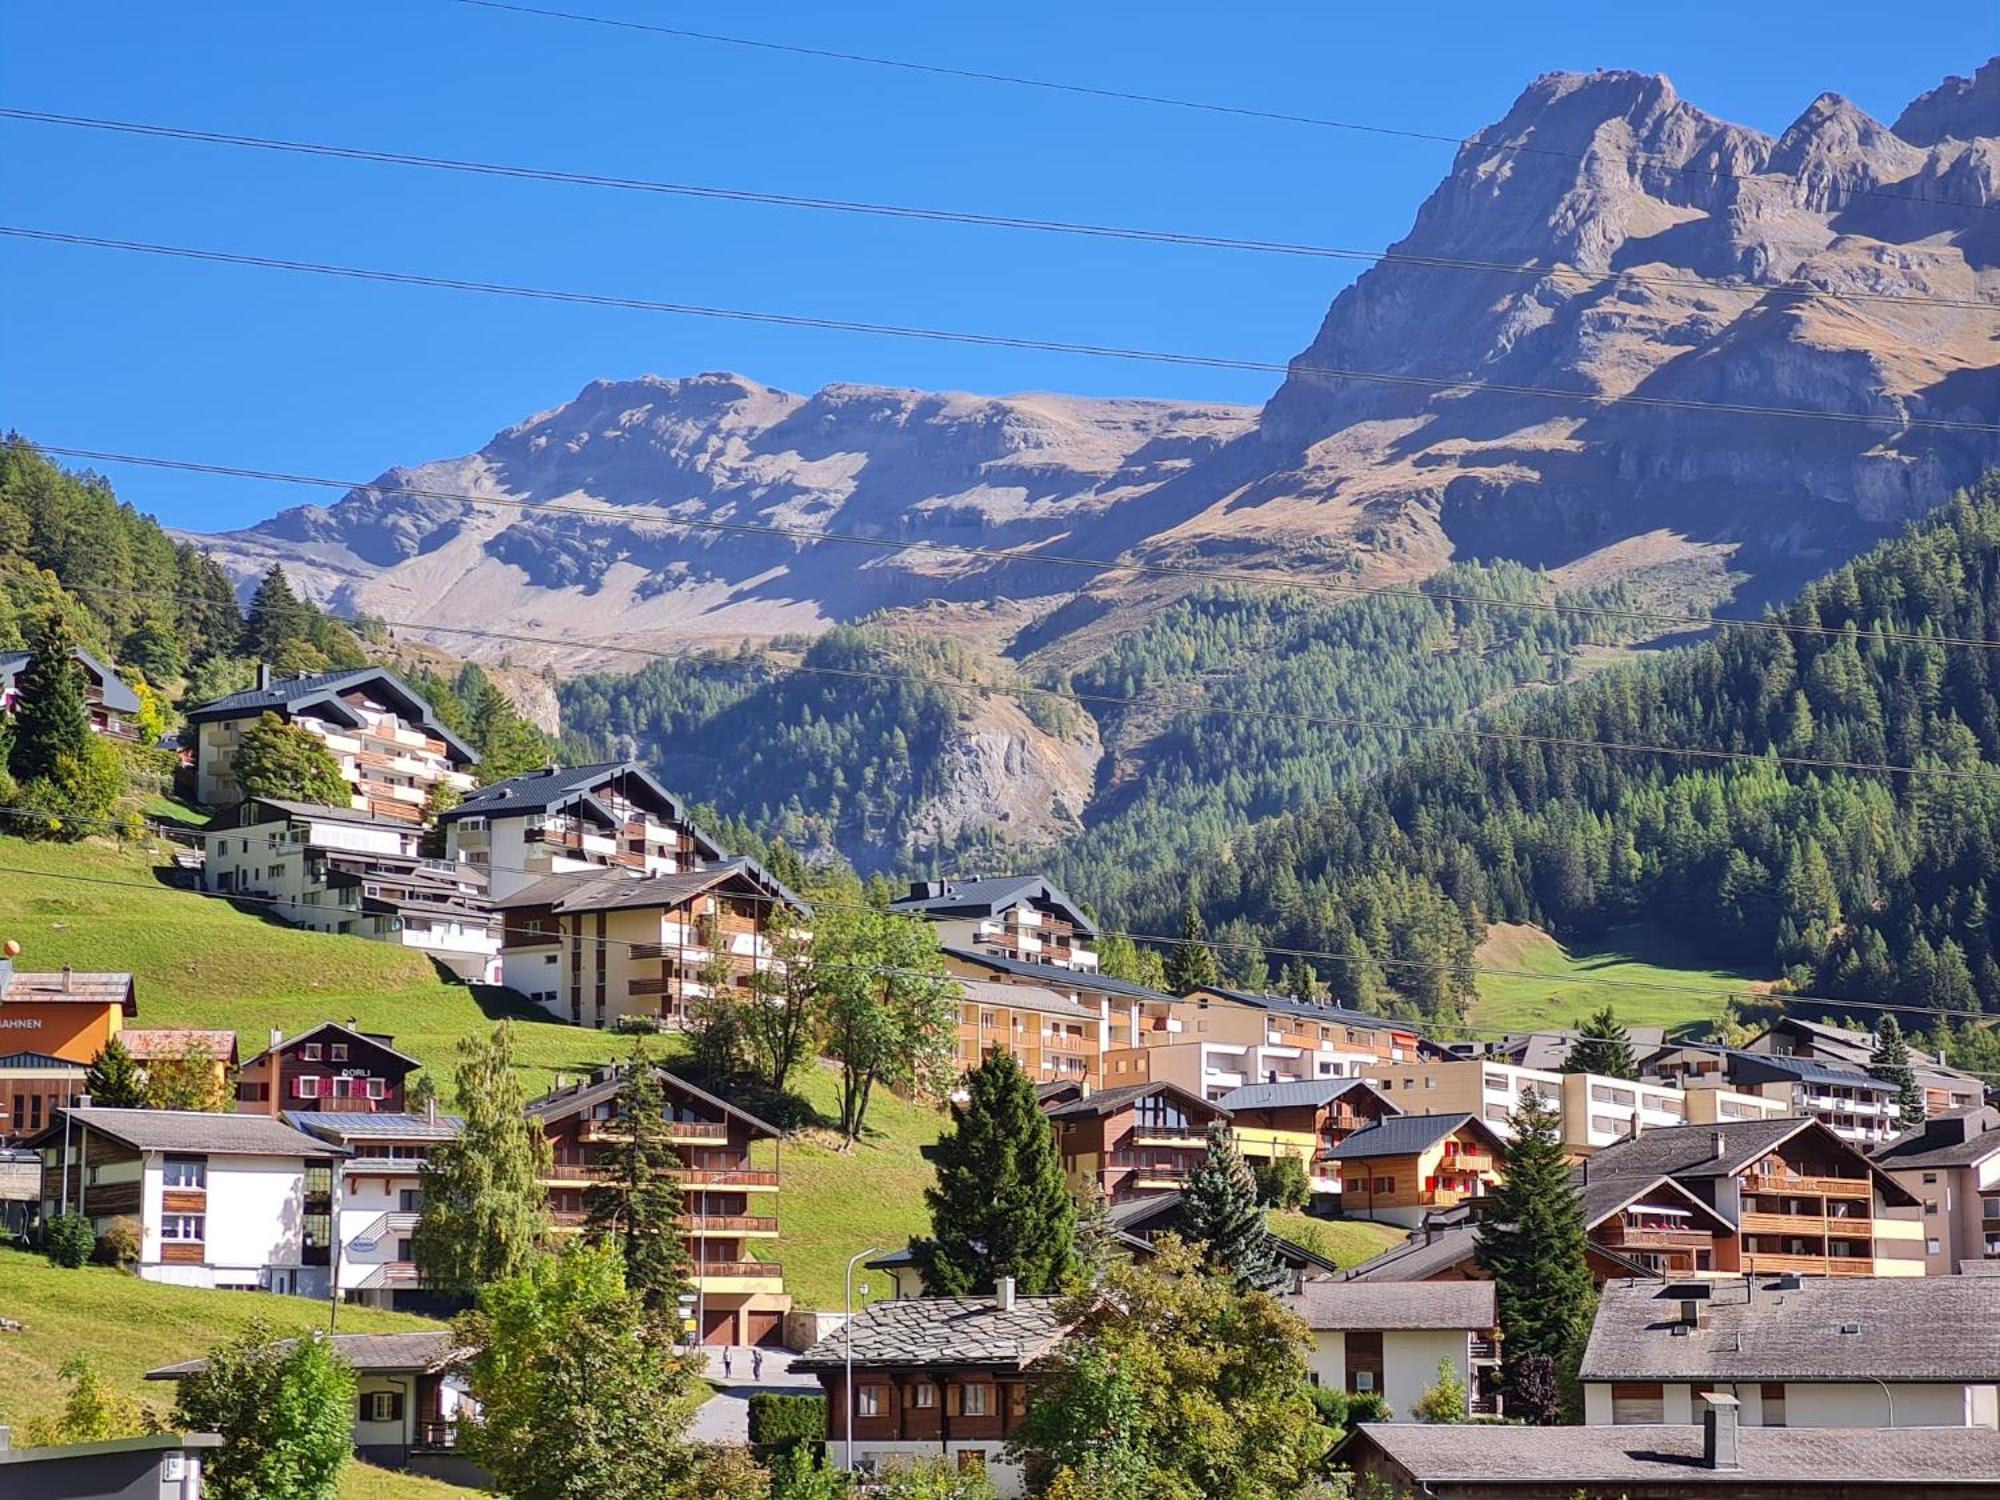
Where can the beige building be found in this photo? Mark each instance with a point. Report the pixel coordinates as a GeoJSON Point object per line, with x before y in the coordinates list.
{"type": "Point", "coordinates": [1021, 917]}
{"type": "Point", "coordinates": [1952, 1168]}
{"type": "Point", "coordinates": [1055, 1039]}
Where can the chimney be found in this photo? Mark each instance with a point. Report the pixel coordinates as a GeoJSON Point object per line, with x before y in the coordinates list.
{"type": "Point", "coordinates": [431, 1110]}
{"type": "Point", "coordinates": [67, 974]}
{"type": "Point", "coordinates": [1003, 1294]}
{"type": "Point", "coordinates": [277, 1037]}
{"type": "Point", "coordinates": [263, 674]}
{"type": "Point", "coordinates": [1721, 1145]}
{"type": "Point", "coordinates": [1718, 1433]}
{"type": "Point", "coordinates": [6, 1438]}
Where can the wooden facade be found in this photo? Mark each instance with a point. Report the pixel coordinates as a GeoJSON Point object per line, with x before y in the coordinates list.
{"type": "Point", "coordinates": [330, 1067]}
{"type": "Point", "coordinates": [1133, 1141]}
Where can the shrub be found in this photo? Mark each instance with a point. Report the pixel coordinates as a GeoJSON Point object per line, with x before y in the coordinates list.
{"type": "Point", "coordinates": [1340, 1409]}
{"type": "Point", "coordinates": [119, 1244]}
{"type": "Point", "coordinates": [1446, 1400]}
{"type": "Point", "coordinates": [1281, 1183]}
{"type": "Point", "coordinates": [68, 1241]}
{"type": "Point", "coordinates": [636, 1026]}
{"type": "Point", "coordinates": [780, 1423]}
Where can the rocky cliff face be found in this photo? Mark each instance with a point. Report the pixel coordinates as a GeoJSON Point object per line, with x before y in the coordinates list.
{"type": "Point", "coordinates": [1677, 257]}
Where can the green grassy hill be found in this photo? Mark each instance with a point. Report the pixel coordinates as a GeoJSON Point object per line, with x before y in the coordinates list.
{"type": "Point", "coordinates": [1556, 984]}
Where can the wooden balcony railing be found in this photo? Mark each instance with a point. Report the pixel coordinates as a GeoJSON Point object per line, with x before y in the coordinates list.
{"type": "Point", "coordinates": [1760, 1263]}
{"type": "Point", "coordinates": [1639, 1238]}
{"type": "Point", "coordinates": [723, 1224]}
{"type": "Point", "coordinates": [1839, 1187]}
{"type": "Point", "coordinates": [716, 1270]}
{"type": "Point", "coordinates": [1757, 1222]}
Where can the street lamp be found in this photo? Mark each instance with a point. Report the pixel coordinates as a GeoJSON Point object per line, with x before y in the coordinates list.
{"type": "Point", "coordinates": [847, 1334]}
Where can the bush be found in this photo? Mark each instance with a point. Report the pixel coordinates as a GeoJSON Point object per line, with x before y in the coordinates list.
{"type": "Point", "coordinates": [1341, 1410]}
{"type": "Point", "coordinates": [119, 1244]}
{"type": "Point", "coordinates": [1282, 1183]}
{"type": "Point", "coordinates": [68, 1241]}
{"type": "Point", "coordinates": [636, 1026]}
{"type": "Point", "coordinates": [780, 1423]}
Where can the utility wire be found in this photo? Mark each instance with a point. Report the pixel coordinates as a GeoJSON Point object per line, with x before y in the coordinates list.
{"type": "Point", "coordinates": [1479, 140]}
{"type": "Point", "coordinates": [1566, 274]}
{"type": "Point", "coordinates": [1083, 700]}
{"type": "Point", "coordinates": [990, 340]}
{"type": "Point", "coordinates": [1235, 577]}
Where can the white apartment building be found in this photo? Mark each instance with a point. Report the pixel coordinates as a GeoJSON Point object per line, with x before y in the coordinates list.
{"type": "Point", "coordinates": [1850, 1103]}
{"type": "Point", "coordinates": [231, 1201]}
{"type": "Point", "coordinates": [1019, 917]}
{"type": "Point", "coordinates": [381, 1196]}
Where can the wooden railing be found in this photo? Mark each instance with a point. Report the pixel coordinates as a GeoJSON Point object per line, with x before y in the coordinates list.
{"type": "Point", "coordinates": [732, 1223]}
{"type": "Point", "coordinates": [705, 1270]}
{"type": "Point", "coordinates": [1760, 1263]}
{"type": "Point", "coordinates": [1640, 1238]}
{"type": "Point", "coordinates": [1839, 1187]}
{"type": "Point", "coordinates": [1758, 1222]}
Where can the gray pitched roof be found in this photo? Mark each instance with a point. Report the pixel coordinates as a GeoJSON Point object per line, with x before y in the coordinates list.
{"type": "Point", "coordinates": [352, 1033]}
{"type": "Point", "coordinates": [236, 817]}
{"type": "Point", "coordinates": [1689, 1151]}
{"type": "Point", "coordinates": [196, 1131]}
{"type": "Point", "coordinates": [1605, 1193]}
{"type": "Point", "coordinates": [117, 696]}
{"type": "Point", "coordinates": [609, 1082]}
{"type": "Point", "coordinates": [379, 1352]}
{"type": "Point", "coordinates": [617, 887]}
{"type": "Point", "coordinates": [1406, 1135]}
{"type": "Point", "coordinates": [990, 896]}
{"type": "Point", "coordinates": [1384, 1305]}
{"type": "Point", "coordinates": [1907, 1328]}
{"type": "Point", "coordinates": [1956, 1140]}
{"type": "Point", "coordinates": [560, 786]}
{"type": "Point", "coordinates": [1332, 1015]}
{"type": "Point", "coordinates": [1903, 1461]}
{"type": "Point", "coordinates": [1056, 976]}
{"type": "Point", "coordinates": [1427, 1253]}
{"type": "Point", "coordinates": [943, 1331]}
{"type": "Point", "coordinates": [342, 1125]}
{"type": "Point", "coordinates": [1762, 1067]}
{"type": "Point", "coordinates": [1110, 1101]}
{"type": "Point", "coordinates": [1308, 1092]}
{"type": "Point", "coordinates": [1022, 997]}
{"type": "Point", "coordinates": [291, 695]}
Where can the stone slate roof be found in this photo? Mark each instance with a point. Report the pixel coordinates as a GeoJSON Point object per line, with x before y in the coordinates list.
{"type": "Point", "coordinates": [292, 695]}
{"type": "Point", "coordinates": [942, 1332]}
{"type": "Point", "coordinates": [381, 1353]}
{"type": "Point", "coordinates": [69, 986]}
{"type": "Point", "coordinates": [1406, 1135]}
{"type": "Point", "coordinates": [1367, 1306]}
{"type": "Point", "coordinates": [196, 1132]}
{"type": "Point", "coordinates": [1309, 1092]}
{"type": "Point", "coordinates": [1110, 1101]}
{"type": "Point", "coordinates": [1056, 976]}
{"type": "Point", "coordinates": [1689, 1151]}
{"type": "Point", "coordinates": [117, 696]}
{"type": "Point", "coordinates": [990, 896]}
{"type": "Point", "coordinates": [1904, 1461]}
{"type": "Point", "coordinates": [1907, 1328]}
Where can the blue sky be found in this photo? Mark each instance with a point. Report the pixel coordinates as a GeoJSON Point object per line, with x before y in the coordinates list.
{"type": "Point", "coordinates": [265, 370]}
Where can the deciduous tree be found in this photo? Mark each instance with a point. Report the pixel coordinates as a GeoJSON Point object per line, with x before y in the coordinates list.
{"type": "Point", "coordinates": [285, 1410]}
{"type": "Point", "coordinates": [887, 1009]}
{"type": "Point", "coordinates": [276, 759]}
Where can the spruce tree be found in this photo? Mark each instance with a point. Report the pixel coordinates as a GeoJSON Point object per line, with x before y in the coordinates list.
{"type": "Point", "coordinates": [1220, 1210]}
{"type": "Point", "coordinates": [1191, 964]}
{"type": "Point", "coordinates": [485, 1208]}
{"type": "Point", "coordinates": [638, 1205]}
{"type": "Point", "coordinates": [51, 715]}
{"type": "Point", "coordinates": [277, 617]}
{"type": "Point", "coordinates": [1603, 1047]}
{"type": "Point", "coordinates": [1891, 1064]}
{"type": "Point", "coordinates": [1532, 1240]}
{"type": "Point", "coordinates": [114, 1081]}
{"type": "Point", "coordinates": [1000, 1207]}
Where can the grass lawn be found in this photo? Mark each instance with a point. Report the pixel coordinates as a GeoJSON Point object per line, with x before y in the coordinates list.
{"type": "Point", "coordinates": [359, 1481]}
{"type": "Point", "coordinates": [1540, 998]}
{"type": "Point", "coordinates": [1346, 1242]}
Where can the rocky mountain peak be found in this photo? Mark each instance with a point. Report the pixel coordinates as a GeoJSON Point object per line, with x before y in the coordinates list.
{"type": "Point", "coordinates": [1958, 109]}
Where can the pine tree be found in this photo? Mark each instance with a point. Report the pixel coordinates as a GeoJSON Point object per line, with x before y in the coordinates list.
{"type": "Point", "coordinates": [1603, 1047]}
{"type": "Point", "coordinates": [1891, 1064]}
{"type": "Point", "coordinates": [638, 1205]}
{"type": "Point", "coordinates": [1219, 1208]}
{"type": "Point", "coordinates": [114, 1081]}
{"type": "Point", "coordinates": [1191, 964]}
{"type": "Point", "coordinates": [1000, 1207]}
{"type": "Point", "coordinates": [1532, 1241]}
{"type": "Point", "coordinates": [485, 1209]}
{"type": "Point", "coordinates": [1096, 1235]}
{"type": "Point", "coordinates": [51, 716]}
{"type": "Point", "coordinates": [277, 618]}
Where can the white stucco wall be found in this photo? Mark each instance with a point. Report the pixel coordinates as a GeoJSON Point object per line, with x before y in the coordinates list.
{"type": "Point", "coordinates": [1811, 1404]}
{"type": "Point", "coordinates": [256, 1211]}
{"type": "Point", "coordinates": [1009, 1480]}
{"type": "Point", "coordinates": [1409, 1364]}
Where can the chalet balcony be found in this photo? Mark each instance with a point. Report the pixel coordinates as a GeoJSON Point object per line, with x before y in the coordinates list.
{"type": "Point", "coordinates": [1816, 1225]}
{"type": "Point", "coordinates": [745, 1178]}
{"type": "Point", "coordinates": [437, 1436]}
{"type": "Point", "coordinates": [730, 1226]}
{"type": "Point", "coordinates": [1837, 1187]}
{"type": "Point", "coordinates": [680, 1131]}
{"type": "Point", "coordinates": [708, 1271]}
{"type": "Point", "coordinates": [1178, 1137]}
{"type": "Point", "coordinates": [1480, 1348]}
{"type": "Point", "coordinates": [555, 836]}
{"type": "Point", "coordinates": [1762, 1264]}
{"type": "Point", "coordinates": [1638, 1237]}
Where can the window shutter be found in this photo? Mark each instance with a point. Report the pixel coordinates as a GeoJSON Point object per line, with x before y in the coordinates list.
{"type": "Point", "coordinates": [395, 1406]}
{"type": "Point", "coordinates": [951, 1399]}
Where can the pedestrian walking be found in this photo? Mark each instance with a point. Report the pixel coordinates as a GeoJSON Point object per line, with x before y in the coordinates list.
{"type": "Point", "coordinates": [725, 1361]}
{"type": "Point", "coordinates": [756, 1364]}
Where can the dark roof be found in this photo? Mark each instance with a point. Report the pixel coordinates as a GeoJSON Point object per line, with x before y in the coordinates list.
{"type": "Point", "coordinates": [194, 1131]}
{"type": "Point", "coordinates": [1407, 1135]}
{"type": "Point", "coordinates": [1766, 1067]}
{"type": "Point", "coordinates": [1021, 997]}
{"type": "Point", "coordinates": [1312, 1092]}
{"type": "Point", "coordinates": [992, 895]}
{"type": "Point", "coordinates": [616, 888]}
{"type": "Point", "coordinates": [1330, 1014]}
{"type": "Point", "coordinates": [117, 696]}
{"type": "Point", "coordinates": [1690, 1151]}
{"type": "Point", "coordinates": [341, 1125]}
{"type": "Point", "coordinates": [322, 690]}
{"type": "Point", "coordinates": [22, 1062]}
{"type": "Point", "coordinates": [1955, 1140]}
{"type": "Point", "coordinates": [1367, 1306]}
{"type": "Point", "coordinates": [1057, 976]}
{"type": "Point", "coordinates": [1426, 1253]}
{"type": "Point", "coordinates": [382, 1353]}
{"type": "Point", "coordinates": [1605, 1193]}
{"type": "Point", "coordinates": [1906, 1328]}
{"type": "Point", "coordinates": [560, 786]}
{"type": "Point", "coordinates": [1904, 1461]}
{"type": "Point", "coordinates": [942, 1332]}
{"type": "Point", "coordinates": [235, 817]}
{"type": "Point", "coordinates": [1110, 1101]}
{"type": "Point", "coordinates": [380, 1042]}
{"type": "Point", "coordinates": [1137, 1220]}
{"type": "Point", "coordinates": [608, 1082]}
{"type": "Point", "coordinates": [152, 1442]}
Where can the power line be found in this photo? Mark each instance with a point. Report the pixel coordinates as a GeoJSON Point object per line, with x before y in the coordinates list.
{"type": "Point", "coordinates": [1130, 96]}
{"type": "Point", "coordinates": [1568, 274]}
{"type": "Point", "coordinates": [988, 340]}
{"type": "Point", "coordinates": [1231, 576]}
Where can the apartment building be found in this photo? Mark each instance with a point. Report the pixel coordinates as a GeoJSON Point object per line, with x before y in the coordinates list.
{"type": "Point", "coordinates": [935, 1377]}
{"type": "Point", "coordinates": [1053, 1038]}
{"type": "Point", "coordinates": [1127, 1012]}
{"type": "Point", "coordinates": [1797, 1351]}
{"type": "Point", "coordinates": [1794, 1197]}
{"type": "Point", "coordinates": [576, 819]}
{"type": "Point", "coordinates": [1445, 1247]}
{"type": "Point", "coordinates": [1215, 1040]}
{"type": "Point", "coordinates": [51, 1027]}
{"type": "Point", "coordinates": [1952, 1168]}
{"type": "Point", "coordinates": [1945, 1088]}
{"type": "Point", "coordinates": [112, 705]}
{"type": "Point", "coordinates": [1143, 1138]}
{"type": "Point", "coordinates": [1388, 1339]}
{"type": "Point", "coordinates": [229, 1201]}
{"type": "Point", "coordinates": [390, 743]}
{"type": "Point", "coordinates": [596, 946]}
{"type": "Point", "coordinates": [333, 869]}
{"type": "Point", "coordinates": [381, 1197]}
{"type": "Point", "coordinates": [1404, 1167]}
{"type": "Point", "coordinates": [327, 1067]}
{"type": "Point", "coordinates": [729, 1204]}
{"type": "Point", "coordinates": [1305, 1120]}
{"type": "Point", "coordinates": [1847, 1101]}
{"type": "Point", "coordinates": [1021, 917]}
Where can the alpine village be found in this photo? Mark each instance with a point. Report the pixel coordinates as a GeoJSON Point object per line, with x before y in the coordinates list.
{"type": "Point", "coordinates": [1460, 957]}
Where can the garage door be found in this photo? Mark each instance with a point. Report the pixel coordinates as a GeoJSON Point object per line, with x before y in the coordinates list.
{"type": "Point", "coordinates": [763, 1327]}
{"type": "Point", "coordinates": [719, 1327]}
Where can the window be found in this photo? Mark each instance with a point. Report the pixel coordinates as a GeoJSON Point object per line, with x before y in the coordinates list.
{"type": "Point", "coordinates": [1636, 1403]}
{"type": "Point", "coordinates": [310, 1052]}
{"type": "Point", "coordinates": [336, 1052]}
{"type": "Point", "coordinates": [977, 1401]}
{"type": "Point", "coordinates": [1774, 1404]}
{"type": "Point", "coordinates": [306, 1086]}
{"type": "Point", "coordinates": [378, 1088]}
{"type": "Point", "coordinates": [923, 1396]}
{"type": "Point", "coordinates": [1930, 1178]}
{"type": "Point", "coordinates": [1930, 1247]}
{"type": "Point", "coordinates": [1364, 1380]}
{"type": "Point", "coordinates": [1930, 1208]}
{"type": "Point", "coordinates": [185, 1228]}
{"type": "Point", "coordinates": [381, 1406]}
{"type": "Point", "coordinates": [1385, 1184]}
{"type": "Point", "coordinates": [868, 1401]}
{"type": "Point", "coordinates": [1496, 1083]}
{"type": "Point", "coordinates": [185, 1172]}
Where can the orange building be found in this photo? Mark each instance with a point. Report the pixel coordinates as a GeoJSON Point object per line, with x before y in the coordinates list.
{"type": "Point", "coordinates": [52, 1026]}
